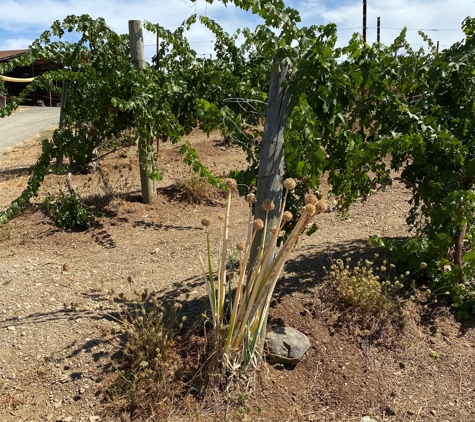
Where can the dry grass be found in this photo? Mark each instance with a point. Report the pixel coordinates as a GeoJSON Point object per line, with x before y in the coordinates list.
{"type": "Point", "coordinates": [14, 234]}
{"type": "Point", "coordinates": [195, 189]}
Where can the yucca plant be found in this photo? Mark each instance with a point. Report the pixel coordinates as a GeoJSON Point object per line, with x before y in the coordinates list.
{"type": "Point", "coordinates": [238, 327]}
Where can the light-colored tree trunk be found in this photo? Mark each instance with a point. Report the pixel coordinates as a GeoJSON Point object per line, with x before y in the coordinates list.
{"type": "Point", "coordinates": [138, 60]}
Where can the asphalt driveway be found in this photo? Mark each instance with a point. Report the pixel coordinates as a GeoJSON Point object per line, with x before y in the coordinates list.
{"type": "Point", "coordinates": [26, 124]}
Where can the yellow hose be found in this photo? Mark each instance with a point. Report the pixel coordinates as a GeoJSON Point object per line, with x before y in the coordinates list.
{"type": "Point", "coordinates": [9, 79]}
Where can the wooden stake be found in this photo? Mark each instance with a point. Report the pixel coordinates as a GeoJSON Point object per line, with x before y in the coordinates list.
{"type": "Point", "coordinates": [378, 31]}
{"type": "Point", "coordinates": [271, 165]}
{"type": "Point", "coordinates": [364, 21]}
{"type": "Point", "coordinates": [138, 60]}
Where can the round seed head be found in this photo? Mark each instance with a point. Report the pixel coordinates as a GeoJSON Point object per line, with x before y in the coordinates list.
{"type": "Point", "coordinates": [231, 184]}
{"type": "Point", "coordinates": [250, 198]}
{"type": "Point", "coordinates": [206, 222]}
{"type": "Point", "coordinates": [310, 198]}
{"type": "Point", "coordinates": [241, 246]}
{"type": "Point", "coordinates": [274, 229]}
{"type": "Point", "coordinates": [268, 205]}
{"type": "Point", "coordinates": [221, 217]}
{"type": "Point", "coordinates": [287, 216]}
{"type": "Point", "coordinates": [290, 184]}
{"type": "Point", "coordinates": [320, 206]}
{"type": "Point", "coordinates": [258, 224]}
{"type": "Point", "coordinates": [310, 208]}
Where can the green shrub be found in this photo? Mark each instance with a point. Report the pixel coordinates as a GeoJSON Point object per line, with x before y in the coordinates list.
{"type": "Point", "coordinates": [456, 282]}
{"type": "Point", "coordinates": [67, 211]}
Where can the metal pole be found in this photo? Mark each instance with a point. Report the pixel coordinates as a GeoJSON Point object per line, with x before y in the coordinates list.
{"type": "Point", "coordinates": [364, 21]}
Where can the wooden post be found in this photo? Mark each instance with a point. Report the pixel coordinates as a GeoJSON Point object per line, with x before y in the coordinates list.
{"type": "Point", "coordinates": [62, 116]}
{"type": "Point", "coordinates": [138, 60]}
{"type": "Point", "coordinates": [364, 21]}
{"type": "Point", "coordinates": [378, 31]}
{"type": "Point", "coordinates": [271, 165]}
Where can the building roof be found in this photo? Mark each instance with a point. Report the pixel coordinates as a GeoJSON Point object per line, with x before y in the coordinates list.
{"type": "Point", "coordinates": [11, 54]}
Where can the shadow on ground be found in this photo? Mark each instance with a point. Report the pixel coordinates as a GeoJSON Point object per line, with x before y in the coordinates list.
{"type": "Point", "coordinates": [307, 269]}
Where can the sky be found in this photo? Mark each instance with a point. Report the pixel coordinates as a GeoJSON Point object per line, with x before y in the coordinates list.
{"type": "Point", "coordinates": [22, 21]}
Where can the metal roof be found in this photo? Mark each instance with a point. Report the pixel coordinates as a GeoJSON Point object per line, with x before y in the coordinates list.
{"type": "Point", "coordinates": [11, 54]}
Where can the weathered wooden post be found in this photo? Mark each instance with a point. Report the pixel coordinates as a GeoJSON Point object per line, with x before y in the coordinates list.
{"type": "Point", "coordinates": [271, 165]}
{"type": "Point", "coordinates": [138, 60]}
{"type": "Point", "coordinates": [62, 116]}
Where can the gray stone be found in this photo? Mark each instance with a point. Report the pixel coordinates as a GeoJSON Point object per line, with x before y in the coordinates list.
{"type": "Point", "coordinates": [286, 345]}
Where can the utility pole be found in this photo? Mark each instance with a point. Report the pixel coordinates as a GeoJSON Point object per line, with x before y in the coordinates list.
{"type": "Point", "coordinates": [378, 31]}
{"type": "Point", "coordinates": [138, 60]}
{"type": "Point", "coordinates": [364, 21]}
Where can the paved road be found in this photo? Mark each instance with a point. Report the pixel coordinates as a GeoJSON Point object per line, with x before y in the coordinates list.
{"type": "Point", "coordinates": [27, 123]}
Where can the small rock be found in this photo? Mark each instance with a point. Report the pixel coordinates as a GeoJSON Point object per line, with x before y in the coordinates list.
{"type": "Point", "coordinates": [94, 418]}
{"type": "Point", "coordinates": [433, 412]}
{"type": "Point", "coordinates": [286, 345]}
{"type": "Point", "coordinates": [11, 328]}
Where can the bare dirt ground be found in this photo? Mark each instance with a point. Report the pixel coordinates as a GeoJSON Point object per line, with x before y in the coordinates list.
{"type": "Point", "coordinates": [57, 322]}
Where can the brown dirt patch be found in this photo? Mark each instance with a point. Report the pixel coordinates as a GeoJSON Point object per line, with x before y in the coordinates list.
{"type": "Point", "coordinates": [55, 323]}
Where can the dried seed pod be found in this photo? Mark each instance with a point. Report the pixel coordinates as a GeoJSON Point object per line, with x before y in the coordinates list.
{"type": "Point", "coordinates": [268, 205]}
{"type": "Point", "coordinates": [320, 206]}
{"type": "Point", "coordinates": [221, 217]}
{"type": "Point", "coordinates": [241, 246]}
{"type": "Point", "coordinates": [311, 210]}
{"type": "Point", "coordinates": [287, 216]}
{"type": "Point", "coordinates": [231, 184]}
{"type": "Point", "coordinates": [206, 221]}
{"type": "Point", "coordinates": [290, 184]}
{"type": "Point", "coordinates": [274, 229]}
{"type": "Point", "coordinates": [250, 198]}
{"type": "Point", "coordinates": [258, 224]}
{"type": "Point", "coordinates": [310, 198]}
